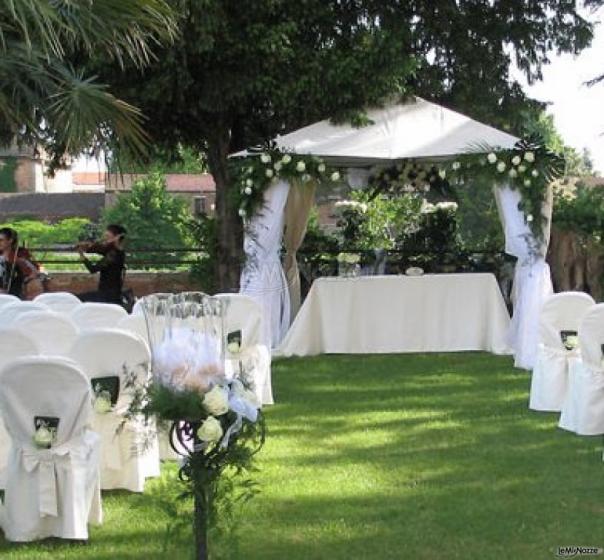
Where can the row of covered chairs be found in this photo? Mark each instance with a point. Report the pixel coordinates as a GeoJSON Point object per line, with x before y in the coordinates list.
{"type": "Point", "coordinates": [569, 373]}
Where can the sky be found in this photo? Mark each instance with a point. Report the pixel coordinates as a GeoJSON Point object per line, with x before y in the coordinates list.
{"type": "Point", "coordinates": [578, 110]}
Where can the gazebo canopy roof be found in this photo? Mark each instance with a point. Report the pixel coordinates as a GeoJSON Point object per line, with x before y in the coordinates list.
{"type": "Point", "coordinates": [415, 129]}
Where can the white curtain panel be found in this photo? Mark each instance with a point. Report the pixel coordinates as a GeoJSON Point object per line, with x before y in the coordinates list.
{"type": "Point", "coordinates": [263, 278]}
{"type": "Point", "coordinates": [532, 279]}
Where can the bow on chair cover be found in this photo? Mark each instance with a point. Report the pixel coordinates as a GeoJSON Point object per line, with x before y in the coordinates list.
{"type": "Point", "coordinates": [532, 279]}
{"type": "Point", "coordinates": [46, 461]}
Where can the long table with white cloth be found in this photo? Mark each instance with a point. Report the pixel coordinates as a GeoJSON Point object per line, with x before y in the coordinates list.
{"type": "Point", "coordinates": [395, 314]}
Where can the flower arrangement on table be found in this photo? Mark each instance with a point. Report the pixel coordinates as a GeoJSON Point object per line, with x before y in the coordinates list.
{"type": "Point", "coordinates": [216, 423]}
{"type": "Point", "coordinates": [256, 173]}
{"type": "Point", "coordinates": [349, 264]}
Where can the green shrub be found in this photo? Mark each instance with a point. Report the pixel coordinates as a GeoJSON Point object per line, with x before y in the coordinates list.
{"type": "Point", "coordinates": [155, 220]}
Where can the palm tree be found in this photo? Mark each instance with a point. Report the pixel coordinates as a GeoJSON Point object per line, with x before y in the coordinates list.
{"type": "Point", "coordinates": [46, 98]}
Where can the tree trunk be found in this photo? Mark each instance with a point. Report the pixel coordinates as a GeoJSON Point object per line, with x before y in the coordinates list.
{"type": "Point", "coordinates": [229, 229]}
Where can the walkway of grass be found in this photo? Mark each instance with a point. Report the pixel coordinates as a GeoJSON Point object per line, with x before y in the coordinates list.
{"type": "Point", "coordinates": [392, 457]}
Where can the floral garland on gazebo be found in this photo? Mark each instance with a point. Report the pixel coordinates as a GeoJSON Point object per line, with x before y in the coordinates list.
{"type": "Point", "coordinates": [254, 175]}
{"type": "Point", "coordinates": [529, 168]}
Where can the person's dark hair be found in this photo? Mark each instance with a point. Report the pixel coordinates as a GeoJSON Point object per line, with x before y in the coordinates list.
{"type": "Point", "coordinates": [116, 229]}
{"type": "Point", "coordinates": [11, 235]}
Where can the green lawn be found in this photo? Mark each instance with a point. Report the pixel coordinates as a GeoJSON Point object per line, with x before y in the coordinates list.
{"type": "Point", "coordinates": [392, 457]}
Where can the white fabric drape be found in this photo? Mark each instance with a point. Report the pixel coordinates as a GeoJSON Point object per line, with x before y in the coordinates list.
{"type": "Point", "coordinates": [263, 278]}
{"type": "Point", "coordinates": [532, 279]}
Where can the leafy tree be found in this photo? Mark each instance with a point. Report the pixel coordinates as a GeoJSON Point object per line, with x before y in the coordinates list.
{"type": "Point", "coordinates": [238, 75]}
{"type": "Point", "coordinates": [154, 218]}
{"type": "Point", "coordinates": [47, 100]}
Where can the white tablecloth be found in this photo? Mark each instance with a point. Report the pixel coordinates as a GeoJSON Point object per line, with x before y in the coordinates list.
{"type": "Point", "coordinates": [391, 314]}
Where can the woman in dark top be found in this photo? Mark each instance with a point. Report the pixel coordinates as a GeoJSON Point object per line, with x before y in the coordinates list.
{"type": "Point", "coordinates": [111, 266]}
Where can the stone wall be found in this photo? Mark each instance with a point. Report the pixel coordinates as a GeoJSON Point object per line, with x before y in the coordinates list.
{"type": "Point", "coordinates": [143, 283]}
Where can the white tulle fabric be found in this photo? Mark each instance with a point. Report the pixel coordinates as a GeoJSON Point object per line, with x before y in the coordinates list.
{"type": "Point", "coordinates": [50, 492]}
{"type": "Point", "coordinates": [583, 408]}
{"type": "Point", "coordinates": [263, 278]}
{"type": "Point", "coordinates": [245, 315]}
{"type": "Point", "coordinates": [549, 382]}
{"type": "Point", "coordinates": [130, 451]}
{"type": "Point", "coordinates": [532, 279]}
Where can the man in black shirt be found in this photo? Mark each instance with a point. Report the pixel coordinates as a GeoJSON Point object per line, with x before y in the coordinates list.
{"type": "Point", "coordinates": [111, 266]}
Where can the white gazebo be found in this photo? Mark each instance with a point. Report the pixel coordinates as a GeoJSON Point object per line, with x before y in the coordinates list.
{"type": "Point", "coordinates": [412, 130]}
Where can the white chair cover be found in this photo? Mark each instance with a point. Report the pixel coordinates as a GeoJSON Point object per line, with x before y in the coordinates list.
{"type": "Point", "coordinates": [13, 310]}
{"type": "Point", "coordinates": [549, 383]}
{"type": "Point", "coordinates": [130, 454]}
{"type": "Point", "coordinates": [97, 315]}
{"type": "Point", "coordinates": [54, 333]}
{"type": "Point", "coordinates": [13, 344]}
{"type": "Point", "coordinates": [583, 408]}
{"type": "Point", "coordinates": [263, 278]}
{"type": "Point", "coordinates": [5, 299]}
{"type": "Point", "coordinates": [50, 492]}
{"type": "Point", "coordinates": [245, 315]}
{"type": "Point", "coordinates": [61, 302]}
{"type": "Point", "coordinates": [135, 324]}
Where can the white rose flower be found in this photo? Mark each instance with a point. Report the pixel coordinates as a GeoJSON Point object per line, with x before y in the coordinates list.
{"type": "Point", "coordinates": [516, 160]}
{"type": "Point", "coordinates": [216, 401]}
{"type": "Point", "coordinates": [456, 165]}
{"type": "Point", "coordinates": [529, 156]}
{"type": "Point", "coordinates": [102, 403]}
{"type": "Point", "coordinates": [534, 173]}
{"type": "Point", "coordinates": [247, 190]}
{"type": "Point", "coordinates": [492, 158]}
{"type": "Point", "coordinates": [286, 159]}
{"type": "Point", "coordinates": [277, 166]}
{"type": "Point", "coordinates": [513, 173]}
{"type": "Point", "coordinates": [521, 168]}
{"type": "Point", "coordinates": [529, 218]}
{"type": "Point", "coordinates": [501, 167]}
{"type": "Point", "coordinates": [249, 183]}
{"type": "Point", "coordinates": [210, 431]}
{"type": "Point", "coordinates": [242, 212]}
{"type": "Point", "coordinates": [43, 437]}
{"type": "Point", "coordinates": [527, 182]}
{"type": "Point", "coordinates": [442, 173]}
{"type": "Point", "coordinates": [233, 347]}
{"type": "Point", "coordinates": [269, 173]}
{"type": "Point", "coordinates": [306, 177]}
{"type": "Point", "coordinates": [300, 167]}
{"type": "Point", "coordinates": [265, 158]}
{"type": "Point", "coordinates": [572, 342]}
{"type": "Point", "coordinates": [335, 176]}
{"type": "Point", "coordinates": [321, 168]}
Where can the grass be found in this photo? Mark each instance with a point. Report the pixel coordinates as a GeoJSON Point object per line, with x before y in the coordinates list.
{"type": "Point", "coordinates": [391, 457]}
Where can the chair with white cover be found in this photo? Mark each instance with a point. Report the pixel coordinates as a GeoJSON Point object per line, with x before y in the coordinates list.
{"type": "Point", "coordinates": [13, 310]}
{"type": "Point", "coordinates": [13, 344]}
{"type": "Point", "coordinates": [135, 324]}
{"type": "Point", "coordinates": [97, 315]}
{"type": "Point", "coordinates": [5, 299]}
{"type": "Point", "coordinates": [54, 333]}
{"type": "Point", "coordinates": [583, 408]}
{"type": "Point", "coordinates": [561, 313]}
{"type": "Point", "coordinates": [61, 302]}
{"type": "Point", "coordinates": [244, 317]}
{"type": "Point", "coordinates": [51, 491]}
{"type": "Point", "coordinates": [112, 358]}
